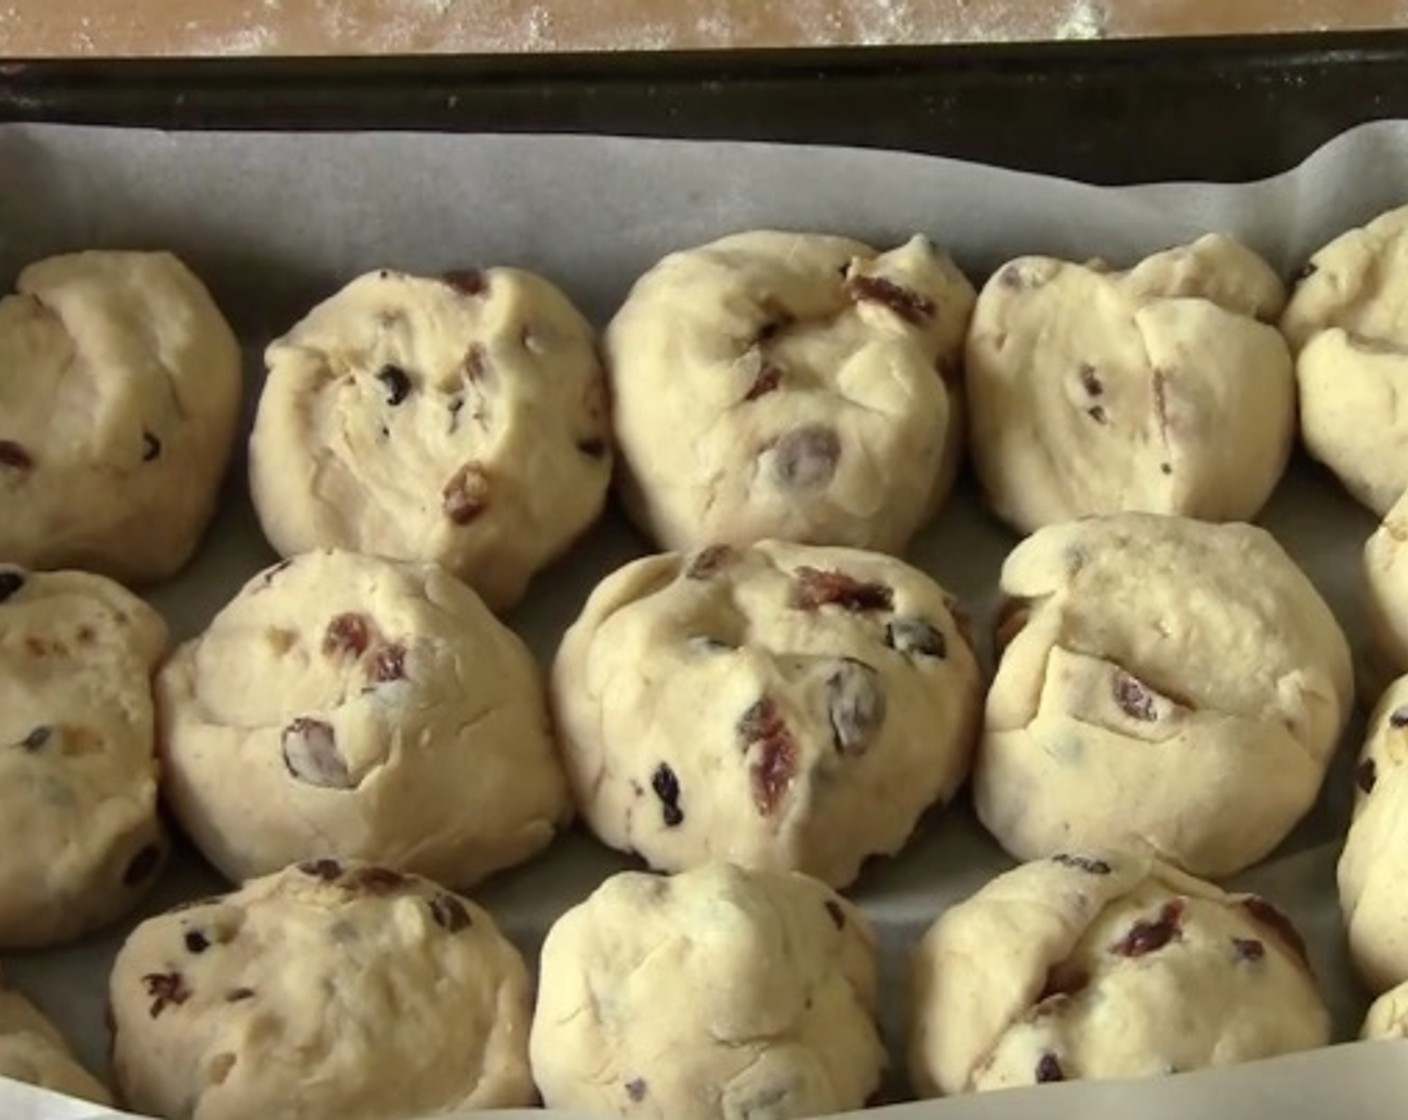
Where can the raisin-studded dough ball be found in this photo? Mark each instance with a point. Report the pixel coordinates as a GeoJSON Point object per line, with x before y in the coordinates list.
{"type": "Point", "coordinates": [1162, 388]}
{"type": "Point", "coordinates": [790, 385]}
{"type": "Point", "coordinates": [1097, 965]}
{"type": "Point", "coordinates": [120, 392]}
{"type": "Point", "coordinates": [365, 708]}
{"type": "Point", "coordinates": [33, 1051]}
{"type": "Point", "coordinates": [1345, 322]}
{"type": "Point", "coordinates": [78, 778]}
{"type": "Point", "coordinates": [781, 706]}
{"type": "Point", "coordinates": [1164, 685]}
{"type": "Point", "coordinates": [1375, 854]}
{"type": "Point", "coordinates": [716, 994]}
{"type": "Point", "coordinates": [460, 420]}
{"type": "Point", "coordinates": [330, 991]}
{"type": "Point", "coordinates": [1388, 1015]}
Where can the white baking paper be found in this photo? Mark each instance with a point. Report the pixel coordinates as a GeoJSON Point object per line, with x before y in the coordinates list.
{"type": "Point", "coordinates": [276, 222]}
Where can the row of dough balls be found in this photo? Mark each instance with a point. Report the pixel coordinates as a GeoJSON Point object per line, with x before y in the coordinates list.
{"type": "Point", "coordinates": [767, 385]}
{"type": "Point", "coordinates": [784, 706]}
{"type": "Point", "coordinates": [719, 993]}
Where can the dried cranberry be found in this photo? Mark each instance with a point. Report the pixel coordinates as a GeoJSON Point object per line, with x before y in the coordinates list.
{"type": "Point", "coordinates": [395, 382]}
{"type": "Point", "coordinates": [1134, 699]}
{"type": "Point", "coordinates": [776, 763]}
{"type": "Point", "coordinates": [143, 866]}
{"type": "Point", "coordinates": [166, 989]}
{"type": "Point", "coordinates": [328, 870]}
{"type": "Point", "coordinates": [911, 306]}
{"type": "Point", "coordinates": [466, 495]}
{"type": "Point", "coordinates": [311, 754]}
{"type": "Point", "coordinates": [1090, 380]}
{"type": "Point", "coordinates": [239, 995]}
{"type": "Point", "coordinates": [837, 915]}
{"type": "Point", "coordinates": [1049, 1069]}
{"type": "Point", "coordinates": [389, 664]}
{"type": "Point", "coordinates": [196, 941]}
{"type": "Point", "coordinates": [1366, 775]}
{"type": "Point", "coordinates": [347, 633]}
{"type": "Point", "coordinates": [36, 738]}
{"type": "Point", "coordinates": [468, 281]}
{"type": "Point", "coordinates": [1248, 948]}
{"type": "Point", "coordinates": [1398, 718]}
{"type": "Point", "coordinates": [449, 913]}
{"type": "Point", "coordinates": [709, 560]}
{"type": "Point", "coordinates": [855, 706]}
{"type": "Point", "coordinates": [915, 636]}
{"type": "Point", "coordinates": [10, 583]}
{"type": "Point", "coordinates": [815, 588]}
{"type": "Point", "coordinates": [1098, 414]}
{"type": "Point", "coordinates": [1149, 937]}
{"type": "Point", "coordinates": [14, 456]}
{"type": "Point", "coordinates": [151, 447]}
{"type": "Point", "coordinates": [1263, 912]}
{"type": "Point", "coordinates": [805, 458]}
{"type": "Point", "coordinates": [635, 1089]}
{"type": "Point", "coordinates": [667, 789]}
{"type": "Point", "coordinates": [768, 379]}
{"type": "Point", "coordinates": [1082, 863]}
{"type": "Point", "coordinates": [377, 880]}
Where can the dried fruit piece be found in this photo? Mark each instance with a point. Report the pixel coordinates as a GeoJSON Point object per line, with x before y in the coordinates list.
{"type": "Point", "coordinates": [1366, 775]}
{"type": "Point", "coordinates": [328, 870]}
{"type": "Point", "coordinates": [837, 915]}
{"type": "Point", "coordinates": [667, 788]}
{"type": "Point", "coordinates": [1090, 380]}
{"type": "Point", "coordinates": [911, 306]}
{"type": "Point", "coordinates": [468, 281]}
{"type": "Point", "coordinates": [311, 754]}
{"type": "Point", "coordinates": [167, 989]}
{"type": "Point", "coordinates": [389, 664]}
{"type": "Point", "coordinates": [768, 379]}
{"type": "Point", "coordinates": [395, 383]}
{"type": "Point", "coordinates": [466, 495]}
{"type": "Point", "coordinates": [1267, 915]}
{"type": "Point", "coordinates": [449, 913]}
{"type": "Point", "coordinates": [1149, 937]}
{"type": "Point", "coordinates": [805, 458]}
{"type": "Point", "coordinates": [855, 706]}
{"type": "Point", "coordinates": [1398, 718]}
{"type": "Point", "coordinates": [762, 727]}
{"type": "Point", "coordinates": [1248, 948]}
{"type": "Point", "coordinates": [1082, 863]}
{"type": "Point", "coordinates": [196, 941]}
{"type": "Point", "coordinates": [1134, 698]}
{"type": "Point", "coordinates": [1098, 414]}
{"type": "Point", "coordinates": [151, 447]}
{"type": "Point", "coordinates": [14, 456]}
{"type": "Point", "coordinates": [347, 633]}
{"type": "Point", "coordinates": [377, 880]}
{"type": "Point", "coordinates": [815, 588]}
{"type": "Point", "coordinates": [143, 866]}
{"type": "Point", "coordinates": [915, 636]}
{"type": "Point", "coordinates": [10, 583]}
{"type": "Point", "coordinates": [635, 1089]}
{"type": "Point", "coordinates": [1049, 1069]}
{"type": "Point", "coordinates": [36, 738]}
{"type": "Point", "coordinates": [709, 560]}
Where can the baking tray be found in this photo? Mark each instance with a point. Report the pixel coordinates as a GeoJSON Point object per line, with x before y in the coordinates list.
{"type": "Point", "coordinates": [1210, 110]}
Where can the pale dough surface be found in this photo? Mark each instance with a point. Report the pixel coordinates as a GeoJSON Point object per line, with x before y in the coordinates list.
{"type": "Point", "coordinates": [784, 706]}
{"type": "Point", "coordinates": [33, 1051]}
{"type": "Point", "coordinates": [352, 706]}
{"type": "Point", "coordinates": [1164, 388]}
{"type": "Point", "coordinates": [1388, 1015]}
{"type": "Point", "coordinates": [119, 396]}
{"type": "Point", "coordinates": [1165, 685]}
{"type": "Point", "coordinates": [1386, 589]}
{"type": "Point", "coordinates": [1348, 325]}
{"type": "Point", "coordinates": [330, 991]}
{"type": "Point", "coordinates": [78, 775]}
{"type": "Point", "coordinates": [1098, 965]}
{"type": "Point", "coordinates": [715, 994]}
{"type": "Point", "coordinates": [792, 386]}
{"type": "Point", "coordinates": [460, 420]}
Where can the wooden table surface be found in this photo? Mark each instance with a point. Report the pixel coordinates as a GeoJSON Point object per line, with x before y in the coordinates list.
{"type": "Point", "coordinates": [233, 27]}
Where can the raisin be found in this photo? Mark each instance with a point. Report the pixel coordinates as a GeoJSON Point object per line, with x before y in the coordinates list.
{"type": "Point", "coordinates": [347, 633]}
{"type": "Point", "coordinates": [1398, 718]}
{"type": "Point", "coordinates": [855, 706]}
{"type": "Point", "coordinates": [1090, 380]}
{"type": "Point", "coordinates": [1308, 271]}
{"type": "Point", "coordinates": [1082, 863]}
{"type": "Point", "coordinates": [328, 870]}
{"type": "Point", "coordinates": [635, 1089]}
{"type": "Point", "coordinates": [143, 866]}
{"type": "Point", "coordinates": [311, 754]}
{"type": "Point", "coordinates": [1064, 980]}
{"type": "Point", "coordinates": [594, 448]}
{"type": "Point", "coordinates": [1248, 948]}
{"type": "Point", "coordinates": [816, 588]}
{"type": "Point", "coordinates": [1266, 914]}
{"type": "Point", "coordinates": [1366, 775]}
{"type": "Point", "coordinates": [14, 456]}
{"type": "Point", "coordinates": [395, 383]}
{"type": "Point", "coordinates": [466, 495]}
{"type": "Point", "coordinates": [1134, 699]}
{"type": "Point", "coordinates": [151, 447]}
{"type": "Point", "coordinates": [911, 306]}
{"type": "Point", "coordinates": [915, 636]}
{"type": "Point", "coordinates": [1098, 415]}
{"type": "Point", "coordinates": [806, 458]}
{"type": "Point", "coordinates": [36, 738]}
{"type": "Point", "coordinates": [239, 995]}
{"type": "Point", "coordinates": [768, 379]}
{"type": "Point", "coordinates": [167, 989]}
{"type": "Point", "coordinates": [707, 561]}
{"type": "Point", "coordinates": [389, 664]}
{"type": "Point", "coordinates": [1012, 279]}
{"type": "Point", "coordinates": [1149, 937]}
{"type": "Point", "coordinates": [196, 942]}
{"type": "Point", "coordinates": [1049, 1069]}
{"type": "Point", "coordinates": [449, 913]}
{"type": "Point", "coordinates": [10, 584]}
{"type": "Point", "coordinates": [468, 281]}
{"type": "Point", "coordinates": [377, 880]}
{"type": "Point", "coordinates": [837, 915]}
{"type": "Point", "coordinates": [776, 764]}
{"type": "Point", "coordinates": [1167, 468]}
{"type": "Point", "coordinates": [667, 789]}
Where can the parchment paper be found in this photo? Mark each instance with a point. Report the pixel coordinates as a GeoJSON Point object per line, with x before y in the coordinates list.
{"type": "Point", "coordinates": [276, 222]}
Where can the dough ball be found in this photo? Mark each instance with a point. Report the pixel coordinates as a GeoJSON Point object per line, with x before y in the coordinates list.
{"type": "Point", "coordinates": [1388, 1016]}
{"type": "Point", "coordinates": [364, 708]}
{"type": "Point", "coordinates": [1345, 322]}
{"type": "Point", "coordinates": [330, 991]}
{"type": "Point", "coordinates": [1097, 965]}
{"type": "Point", "coordinates": [1386, 600]}
{"type": "Point", "coordinates": [460, 420]}
{"type": "Point", "coordinates": [120, 392]}
{"type": "Point", "coordinates": [783, 706]}
{"type": "Point", "coordinates": [1376, 850]}
{"type": "Point", "coordinates": [790, 385]}
{"type": "Point", "coordinates": [78, 780]}
{"type": "Point", "coordinates": [33, 1051]}
{"type": "Point", "coordinates": [1161, 389]}
{"type": "Point", "coordinates": [1165, 685]}
{"type": "Point", "coordinates": [718, 994]}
